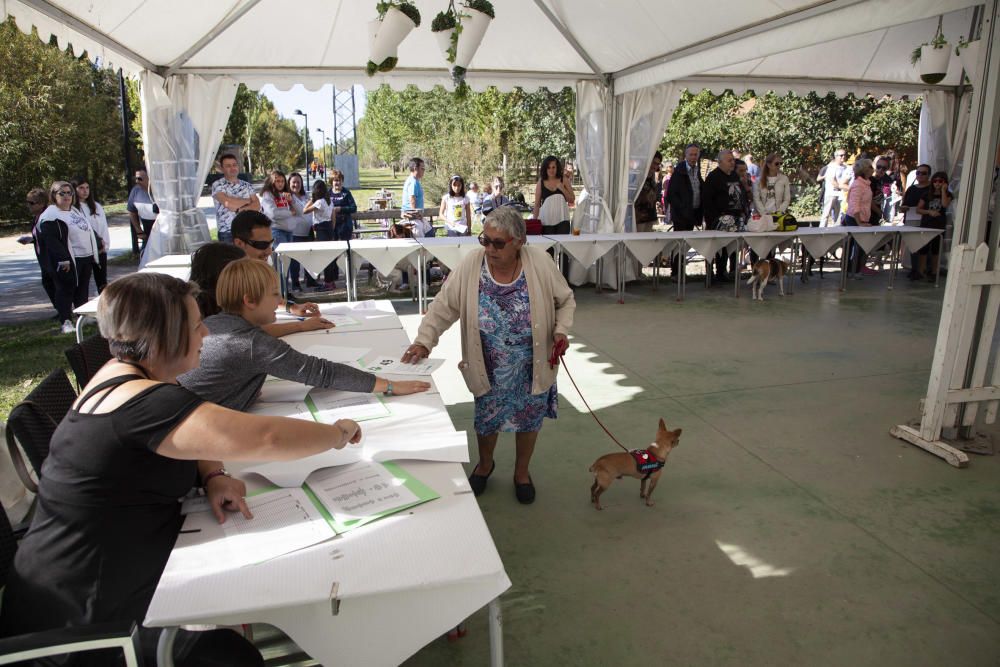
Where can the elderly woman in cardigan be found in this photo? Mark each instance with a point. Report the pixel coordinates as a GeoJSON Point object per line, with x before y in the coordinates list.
{"type": "Point", "coordinates": [515, 310]}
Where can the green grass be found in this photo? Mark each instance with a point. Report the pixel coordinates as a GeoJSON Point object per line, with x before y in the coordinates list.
{"type": "Point", "coordinates": [30, 352]}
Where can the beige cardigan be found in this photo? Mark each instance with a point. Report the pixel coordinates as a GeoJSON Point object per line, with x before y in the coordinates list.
{"type": "Point", "coordinates": [551, 306]}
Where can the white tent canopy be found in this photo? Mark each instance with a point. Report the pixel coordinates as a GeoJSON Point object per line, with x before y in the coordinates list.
{"type": "Point", "coordinates": [553, 43]}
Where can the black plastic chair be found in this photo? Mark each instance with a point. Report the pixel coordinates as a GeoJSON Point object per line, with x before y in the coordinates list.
{"type": "Point", "coordinates": [87, 357]}
{"type": "Point", "coordinates": [61, 641]}
{"type": "Point", "coordinates": [32, 422]}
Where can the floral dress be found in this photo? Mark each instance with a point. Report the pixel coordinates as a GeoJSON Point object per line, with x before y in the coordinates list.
{"type": "Point", "coordinates": [505, 331]}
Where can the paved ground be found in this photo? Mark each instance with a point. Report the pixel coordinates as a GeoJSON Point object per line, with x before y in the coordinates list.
{"type": "Point", "coordinates": [789, 527]}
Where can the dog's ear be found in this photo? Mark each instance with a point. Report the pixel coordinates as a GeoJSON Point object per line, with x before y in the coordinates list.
{"type": "Point", "coordinates": [677, 434]}
{"type": "Point", "coordinates": [663, 425]}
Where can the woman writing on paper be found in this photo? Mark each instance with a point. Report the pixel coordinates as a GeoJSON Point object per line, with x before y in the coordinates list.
{"type": "Point", "coordinates": [515, 310]}
{"type": "Point", "coordinates": [238, 354]}
{"type": "Point", "coordinates": [132, 444]}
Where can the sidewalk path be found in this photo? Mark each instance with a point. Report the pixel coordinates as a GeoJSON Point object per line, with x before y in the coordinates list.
{"type": "Point", "coordinates": [22, 298]}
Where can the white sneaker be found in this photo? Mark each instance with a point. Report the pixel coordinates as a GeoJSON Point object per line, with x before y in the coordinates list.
{"type": "Point", "coordinates": [68, 328]}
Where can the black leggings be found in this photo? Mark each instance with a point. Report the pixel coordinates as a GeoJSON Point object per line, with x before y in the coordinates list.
{"type": "Point", "coordinates": [73, 289]}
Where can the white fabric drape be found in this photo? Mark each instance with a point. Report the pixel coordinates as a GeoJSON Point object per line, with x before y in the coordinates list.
{"type": "Point", "coordinates": [644, 116]}
{"type": "Point", "coordinates": [592, 214]}
{"type": "Point", "coordinates": [944, 125]}
{"type": "Point", "coordinates": [183, 119]}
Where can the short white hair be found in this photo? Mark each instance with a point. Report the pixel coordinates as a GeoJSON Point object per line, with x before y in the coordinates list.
{"type": "Point", "coordinates": [723, 152]}
{"type": "Point", "coordinates": [507, 220]}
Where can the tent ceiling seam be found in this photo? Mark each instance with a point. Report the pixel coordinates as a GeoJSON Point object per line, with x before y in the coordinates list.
{"type": "Point", "coordinates": [568, 36]}
{"type": "Point", "coordinates": [88, 31]}
{"type": "Point", "coordinates": [817, 9]}
{"type": "Point", "coordinates": [333, 26]}
{"type": "Point", "coordinates": [227, 21]}
{"type": "Point", "coordinates": [878, 47]}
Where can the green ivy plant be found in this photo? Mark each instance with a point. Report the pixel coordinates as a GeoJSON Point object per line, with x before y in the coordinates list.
{"type": "Point", "coordinates": [939, 42]}
{"type": "Point", "coordinates": [962, 45]}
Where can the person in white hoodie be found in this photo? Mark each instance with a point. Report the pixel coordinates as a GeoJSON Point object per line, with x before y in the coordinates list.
{"type": "Point", "coordinates": [70, 248]}
{"type": "Point", "coordinates": [94, 212]}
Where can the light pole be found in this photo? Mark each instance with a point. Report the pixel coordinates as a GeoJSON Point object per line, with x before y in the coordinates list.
{"type": "Point", "coordinates": [299, 112]}
{"type": "Point", "coordinates": [326, 165]}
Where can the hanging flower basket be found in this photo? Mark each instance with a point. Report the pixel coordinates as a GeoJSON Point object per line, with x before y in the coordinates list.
{"type": "Point", "coordinates": [459, 34]}
{"type": "Point", "coordinates": [932, 58]}
{"type": "Point", "coordinates": [968, 53]}
{"type": "Point", "coordinates": [474, 25]}
{"type": "Point", "coordinates": [386, 33]}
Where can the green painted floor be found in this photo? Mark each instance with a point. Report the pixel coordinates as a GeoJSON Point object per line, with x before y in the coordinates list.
{"type": "Point", "coordinates": [789, 527]}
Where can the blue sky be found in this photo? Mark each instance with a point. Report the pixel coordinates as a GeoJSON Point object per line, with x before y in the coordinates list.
{"type": "Point", "coordinates": [318, 104]}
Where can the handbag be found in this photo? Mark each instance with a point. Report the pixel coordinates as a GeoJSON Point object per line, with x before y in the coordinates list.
{"type": "Point", "coordinates": [764, 223]}
{"type": "Point", "coordinates": [785, 222]}
{"type": "Point", "coordinates": [727, 223]}
{"type": "Point", "coordinates": [533, 226]}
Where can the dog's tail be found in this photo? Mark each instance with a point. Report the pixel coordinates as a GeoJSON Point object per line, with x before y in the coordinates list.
{"type": "Point", "coordinates": [752, 280]}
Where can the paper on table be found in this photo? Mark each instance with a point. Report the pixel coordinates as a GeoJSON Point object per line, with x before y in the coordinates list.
{"type": "Point", "coordinates": [297, 410]}
{"type": "Point", "coordinates": [276, 390]}
{"type": "Point", "coordinates": [364, 492]}
{"type": "Point", "coordinates": [460, 228]}
{"type": "Point", "coordinates": [284, 520]}
{"type": "Point", "coordinates": [386, 363]}
{"type": "Point", "coordinates": [338, 319]}
{"type": "Point", "coordinates": [329, 405]}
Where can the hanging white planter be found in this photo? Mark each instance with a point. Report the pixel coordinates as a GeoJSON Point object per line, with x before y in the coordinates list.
{"type": "Point", "coordinates": [934, 63]}
{"type": "Point", "coordinates": [969, 55]}
{"type": "Point", "coordinates": [474, 25]}
{"type": "Point", "coordinates": [443, 38]}
{"type": "Point", "coordinates": [385, 36]}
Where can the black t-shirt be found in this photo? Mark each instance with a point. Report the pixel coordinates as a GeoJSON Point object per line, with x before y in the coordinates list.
{"type": "Point", "coordinates": [107, 516]}
{"type": "Point", "coordinates": [722, 195]}
{"type": "Point", "coordinates": [933, 202]}
{"type": "Point", "coordinates": [914, 194]}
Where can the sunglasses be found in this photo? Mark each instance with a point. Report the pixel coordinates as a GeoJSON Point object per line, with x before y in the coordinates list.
{"type": "Point", "coordinates": [65, 193]}
{"type": "Point", "coordinates": [259, 245]}
{"type": "Point", "coordinates": [139, 179]}
{"type": "Point", "coordinates": [486, 241]}
{"type": "Point", "coordinates": [881, 166]}
{"type": "Point", "coordinates": [32, 203]}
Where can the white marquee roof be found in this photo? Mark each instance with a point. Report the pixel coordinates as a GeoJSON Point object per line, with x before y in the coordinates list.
{"type": "Point", "coordinates": [839, 45]}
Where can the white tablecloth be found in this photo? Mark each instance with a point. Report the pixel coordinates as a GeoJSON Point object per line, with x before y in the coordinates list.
{"type": "Point", "coordinates": [373, 596]}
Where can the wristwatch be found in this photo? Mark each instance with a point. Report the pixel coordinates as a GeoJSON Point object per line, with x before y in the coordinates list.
{"type": "Point", "coordinates": [221, 472]}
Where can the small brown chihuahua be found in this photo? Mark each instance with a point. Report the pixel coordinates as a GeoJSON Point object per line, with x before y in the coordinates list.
{"type": "Point", "coordinates": [644, 464]}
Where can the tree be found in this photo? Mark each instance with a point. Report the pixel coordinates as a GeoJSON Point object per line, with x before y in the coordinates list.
{"type": "Point", "coordinates": [61, 119]}
{"type": "Point", "coordinates": [805, 130]}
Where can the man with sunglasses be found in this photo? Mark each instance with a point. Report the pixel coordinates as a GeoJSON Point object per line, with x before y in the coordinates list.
{"type": "Point", "coordinates": [142, 210]}
{"type": "Point", "coordinates": [252, 234]}
{"type": "Point", "coordinates": [919, 190]}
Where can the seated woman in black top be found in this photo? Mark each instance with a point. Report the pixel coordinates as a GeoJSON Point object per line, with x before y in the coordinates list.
{"type": "Point", "coordinates": [133, 443]}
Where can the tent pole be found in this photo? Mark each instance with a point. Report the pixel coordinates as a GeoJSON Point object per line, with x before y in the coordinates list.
{"type": "Point", "coordinates": [964, 340]}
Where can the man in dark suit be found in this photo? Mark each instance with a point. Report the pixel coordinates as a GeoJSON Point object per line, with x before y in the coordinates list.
{"type": "Point", "coordinates": [684, 194]}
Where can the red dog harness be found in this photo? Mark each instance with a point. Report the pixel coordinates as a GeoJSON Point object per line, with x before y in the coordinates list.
{"type": "Point", "coordinates": [645, 462]}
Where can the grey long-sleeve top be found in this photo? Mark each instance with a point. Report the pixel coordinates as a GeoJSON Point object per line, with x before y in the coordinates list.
{"type": "Point", "coordinates": [237, 356]}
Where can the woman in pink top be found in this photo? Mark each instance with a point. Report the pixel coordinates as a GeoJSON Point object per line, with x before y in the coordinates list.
{"type": "Point", "coordinates": [859, 212]}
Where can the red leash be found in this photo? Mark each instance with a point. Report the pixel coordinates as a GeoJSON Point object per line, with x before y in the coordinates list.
{"type": "Point", "coordinates": [558, 352]}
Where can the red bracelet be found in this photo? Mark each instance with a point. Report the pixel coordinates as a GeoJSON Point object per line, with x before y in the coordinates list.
{"type": "Point", "coordinates": [221, 472]}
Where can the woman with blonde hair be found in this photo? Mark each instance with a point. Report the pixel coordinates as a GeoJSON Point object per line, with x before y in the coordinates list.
{"type": "Point", "coordinates": [239, 355]}
{"type": "Point", "coordinates": [859, 213]}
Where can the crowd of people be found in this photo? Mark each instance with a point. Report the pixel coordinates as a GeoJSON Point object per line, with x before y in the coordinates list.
{"type": "Point", "coordinates": [739, 195]}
